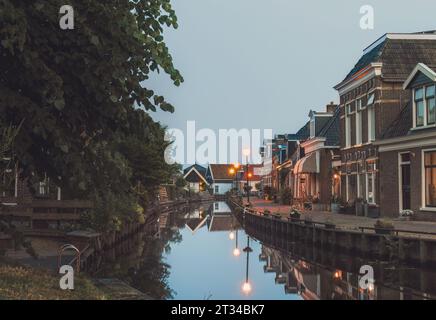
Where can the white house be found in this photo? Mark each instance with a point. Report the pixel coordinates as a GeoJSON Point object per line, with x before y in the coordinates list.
{"type": "Point", "coordinates": [195, 176]}
{"type": "Point", "coordinates": [220, 178]}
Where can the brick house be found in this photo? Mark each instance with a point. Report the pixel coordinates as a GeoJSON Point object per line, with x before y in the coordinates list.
{"type": "Point", "coordinates": [371, 97]}
{"type": "Point", "coordinates": [314, 174]}
{"type": "Point", "coordinates": [407, 151]}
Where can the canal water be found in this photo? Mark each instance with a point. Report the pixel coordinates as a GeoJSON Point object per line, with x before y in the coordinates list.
{"type": "Point", "coordinates": [204, 253]}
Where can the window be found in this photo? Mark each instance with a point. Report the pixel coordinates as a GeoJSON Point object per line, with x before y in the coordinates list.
{"type": "Point", "coordinates": [425, 106]}
{"type": "Point", "coordinates": [361, 182]}
{"type": "Point", "coordinates": [430, 178]}
{"type": "Point", "coordinates": [419, 106]}
{"type": "Point", "coordinates": [347, 126]}
{"type": "Point", "coordinates": [359, 122]}
{"type": "Point", "coordinates": [371, 98]}
{"type": "Point", "coordinates": [371, 117]}
{"type": "Point", "coordinates": [217, 189]}
{"type": "Point", "coordinates": [431, 104]}
{"type": "Point", "coordinates": [312, 127]}
{"type": "Point", "coordinates": [370, 182]}
{"type": "Point", "coordinates": [216, 205]}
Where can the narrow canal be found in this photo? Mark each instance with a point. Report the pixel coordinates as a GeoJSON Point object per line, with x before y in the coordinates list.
{"type": "Point", "coordinates": [204, 253]}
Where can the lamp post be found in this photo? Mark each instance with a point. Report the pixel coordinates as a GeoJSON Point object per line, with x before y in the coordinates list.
{"type": "Point", "coordinates": [248, 174]}
{"type": "Point", "coordinates": [246, 287]}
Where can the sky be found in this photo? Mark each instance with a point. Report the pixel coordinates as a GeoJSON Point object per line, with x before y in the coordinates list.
{"type": "Point", "coordinates": [265, 64]}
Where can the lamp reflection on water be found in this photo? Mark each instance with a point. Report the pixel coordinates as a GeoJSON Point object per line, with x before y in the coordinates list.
{"type": "Point", "coordinates": [246, 287]}
{"type": "Point", "coordinates": [236, 251]}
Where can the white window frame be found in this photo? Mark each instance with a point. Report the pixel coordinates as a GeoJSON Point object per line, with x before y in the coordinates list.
{"type": "Point", "coordinates": [400, 178]}
{"type": "Point", "coordinates": [423, 204]}
{"type": "Point", "coordinates": [347, 126]}
{"type": "Point", "coordinates": [312, 127]}
{"type": "Point", "coordinates": [426, 124]}
{"type": "Point", "coordinates": [373, 175]}
{"type": "Point", "coordinates": [358, 122]}
{"type": "Point", "coordinates": [371, 117]}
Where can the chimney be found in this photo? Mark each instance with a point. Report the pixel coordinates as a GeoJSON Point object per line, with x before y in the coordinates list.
{"type": "Point", "coordinates": [330, 108]}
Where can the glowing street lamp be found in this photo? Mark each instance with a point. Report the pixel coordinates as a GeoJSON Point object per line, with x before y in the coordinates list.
{"type": "Point", "coordinates": [232, 235]}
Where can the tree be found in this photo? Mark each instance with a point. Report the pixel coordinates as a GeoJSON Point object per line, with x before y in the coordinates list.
{"type": "Point", "coordinates": [82, 96]}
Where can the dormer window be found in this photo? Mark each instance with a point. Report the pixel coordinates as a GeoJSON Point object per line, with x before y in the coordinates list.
{"type": "Point", "coordinates": [312, 127]}
{"type": "Point", "coordinates": [425, 106]}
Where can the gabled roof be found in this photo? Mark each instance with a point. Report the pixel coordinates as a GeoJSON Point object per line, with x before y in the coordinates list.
{"type": "Point", "coordinates": [420, 68]}
{"type": "Point", "coordinates": [398, 54]}
{"type": "Point", "coordinates": [220, 172]}
{"type": "Point", "coordinates": [301, 134]}
{"type": "Point", "coordinates": [200, 169]}
{"type": "Point", "coordinates": [331, 130]}
{"type": "Point", "coordinates": [195, 169]}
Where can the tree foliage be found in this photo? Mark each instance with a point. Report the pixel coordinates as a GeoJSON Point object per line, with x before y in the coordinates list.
{"type": "Point", "coordinates": [81, 94]}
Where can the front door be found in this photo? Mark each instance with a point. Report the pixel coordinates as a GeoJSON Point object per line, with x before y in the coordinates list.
{"type": "Point", "coordinates": [405, 182]}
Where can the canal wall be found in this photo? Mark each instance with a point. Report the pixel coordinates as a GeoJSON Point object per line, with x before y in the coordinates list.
{"type": "Point", "coordinates": [274, 229]}
{"type": "Point", "coordinates": [97, 244]}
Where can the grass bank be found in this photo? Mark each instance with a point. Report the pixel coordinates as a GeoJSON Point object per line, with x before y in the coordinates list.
{"type": "Point", "coordinates": [22, 283]}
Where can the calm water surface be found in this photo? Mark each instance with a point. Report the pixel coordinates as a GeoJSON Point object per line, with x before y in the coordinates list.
{"type": "Point", "coordinates": [204, 253]}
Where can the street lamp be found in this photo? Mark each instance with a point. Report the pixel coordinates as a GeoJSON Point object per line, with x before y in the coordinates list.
{"type": "Point", "coordinates": [246, 153]}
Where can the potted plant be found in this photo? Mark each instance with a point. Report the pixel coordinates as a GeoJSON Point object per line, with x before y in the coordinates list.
{"type": "Point", "coordinates": [294, 215]}
{"type": "Point", "coordinates": [406, 215]}
{"type": "Point", "coordinates": [383, 227]}
{"type": "Point", "coordinates": [335, 205]}
{"type": "Point", "coordinates": [266, 213]}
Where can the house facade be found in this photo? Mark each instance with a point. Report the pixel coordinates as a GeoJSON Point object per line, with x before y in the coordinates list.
{"type": "Point", "coordinates": [371, 98]}
{"type": "Point", "coordinates": [407, 151]}
{"type": "Point", "coordinates": [195, 177]}
{"type": "Point", "coordinates": [314, 176]}
{"type": "Point", "coordinates": [220, 178]}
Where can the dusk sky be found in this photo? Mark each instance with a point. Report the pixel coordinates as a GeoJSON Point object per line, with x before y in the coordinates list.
{"type": "Point", "coordinates": [265, 64]}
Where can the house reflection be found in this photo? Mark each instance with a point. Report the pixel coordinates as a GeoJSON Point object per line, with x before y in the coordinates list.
{"type": "Point", "coordinates": [196, 219]}
{"type": "Point", "coordinates": [314, 282]}
{"type": "Point", "coordinates": [221, 218]}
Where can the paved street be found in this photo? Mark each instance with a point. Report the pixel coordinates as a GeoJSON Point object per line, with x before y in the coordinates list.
{"type": "Point", "coordinates": [343, 221]}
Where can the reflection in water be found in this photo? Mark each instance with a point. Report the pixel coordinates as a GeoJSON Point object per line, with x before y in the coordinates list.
{"type": "Point", "coordinates": [203, 253]}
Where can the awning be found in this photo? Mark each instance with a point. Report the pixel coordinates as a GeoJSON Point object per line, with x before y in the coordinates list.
{"type": "Point", "coordinates": [306, 164]}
